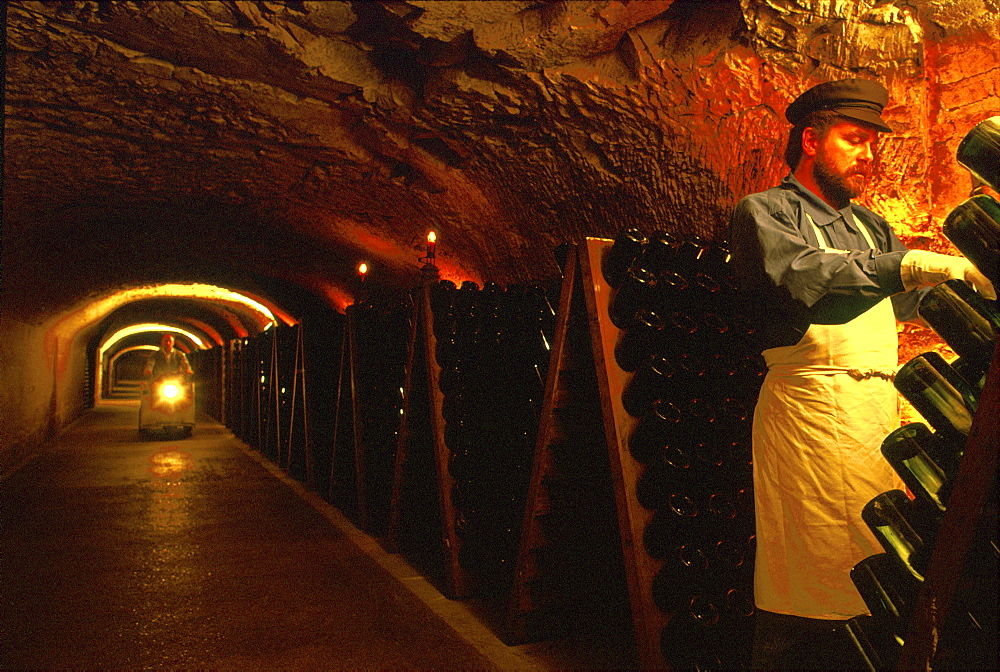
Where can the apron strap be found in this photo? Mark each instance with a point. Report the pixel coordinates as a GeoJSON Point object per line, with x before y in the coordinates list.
{"type": "Point", "coordinates": [825, 245]}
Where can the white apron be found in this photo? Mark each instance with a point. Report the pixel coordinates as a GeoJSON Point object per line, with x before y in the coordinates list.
{"type": "Point", "coordinates": [824, 409]}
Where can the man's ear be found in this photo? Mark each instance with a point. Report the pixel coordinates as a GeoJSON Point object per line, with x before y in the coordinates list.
{"type": "Point", "coordinates": [810, 142]}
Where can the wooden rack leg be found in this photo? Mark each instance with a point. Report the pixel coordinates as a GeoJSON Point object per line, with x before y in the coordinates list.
{"type": "Point", "coordinates": [640, 568]}
{"type": "Point", "coordinates": [360, 495]}
{"type": "Point", "coordinates": [519, 604]}
{"type": "Point", "coordinates": [458, 579]}
{"type": "Point", "coordinates": [331, 485]}
{"type": "Point", "coordinates": [402, 443]}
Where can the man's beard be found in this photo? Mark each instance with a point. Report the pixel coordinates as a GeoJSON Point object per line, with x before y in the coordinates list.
{"type": "Point", "coordinates": [836, 187]}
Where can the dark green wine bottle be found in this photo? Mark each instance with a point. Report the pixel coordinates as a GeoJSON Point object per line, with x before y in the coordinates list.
{"type": "Point", "coordinates": [939, 394]}
{"type": "Point", "coordinates": [974, 227]}
{"type": "Point", "coordinates": [979, 151]}
{"type": "Point", "coordinates": [916, 455]}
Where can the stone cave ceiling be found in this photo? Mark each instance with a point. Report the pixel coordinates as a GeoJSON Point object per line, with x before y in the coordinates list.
{"type": "Point", "coordinates": [262, 144]}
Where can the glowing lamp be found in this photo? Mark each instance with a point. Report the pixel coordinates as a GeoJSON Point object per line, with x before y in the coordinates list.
{"type": "Point", "coordinates": [431, 245]}
{"type": "Point", "coordinates": [362, 271]}
{"type": "Point", "coordinates": [170, 391]}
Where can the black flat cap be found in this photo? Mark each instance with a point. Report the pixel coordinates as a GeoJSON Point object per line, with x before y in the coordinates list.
{"type": "Point", "coordinates": [860, 99]}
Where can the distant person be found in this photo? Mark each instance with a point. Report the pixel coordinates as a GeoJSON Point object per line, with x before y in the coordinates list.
{"type": "Point", "coordinates": [168, 361]}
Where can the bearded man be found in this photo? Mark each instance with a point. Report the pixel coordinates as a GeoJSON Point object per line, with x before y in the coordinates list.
{"type": "Point", "coordinates": [829, 280]}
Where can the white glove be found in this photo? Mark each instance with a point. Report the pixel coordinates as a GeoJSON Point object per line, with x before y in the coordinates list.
{"type": "Point", "coordinates": [922, 268]}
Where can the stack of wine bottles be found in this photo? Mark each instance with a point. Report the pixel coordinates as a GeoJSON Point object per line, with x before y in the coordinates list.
{"type": "Point", "coordinates": [493, 350]}
{"type": "Point", "coordinates": [382, 333]}
{"type": "Point", "coordinates": [927, 455]}
{"type": "Point", "coordinates": [974, 226]}
{"type": "Point", "coordinates": [696, 376]}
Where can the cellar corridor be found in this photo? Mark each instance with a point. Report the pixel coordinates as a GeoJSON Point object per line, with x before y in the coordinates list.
{"type": "Point", "coordinates": [127, 553]}
{"type": "Point", "coordinates": [473, 370]}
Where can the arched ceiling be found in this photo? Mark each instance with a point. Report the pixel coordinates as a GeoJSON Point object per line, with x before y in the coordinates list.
{"type": "Point", "coordinates": [269, 147]}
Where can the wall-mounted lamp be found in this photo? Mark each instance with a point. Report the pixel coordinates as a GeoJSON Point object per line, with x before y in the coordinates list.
{"type": "Point", "coordinates": [430, 269]}
{"type": "Point", "coordinates": [429, 259]}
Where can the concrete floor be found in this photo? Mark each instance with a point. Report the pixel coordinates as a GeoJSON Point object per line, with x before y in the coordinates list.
{"type": "Point", "coordinates": [121, 553]}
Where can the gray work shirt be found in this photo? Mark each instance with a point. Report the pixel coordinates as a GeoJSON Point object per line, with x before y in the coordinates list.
{"type": "Point", "coordinates": [791, 282]}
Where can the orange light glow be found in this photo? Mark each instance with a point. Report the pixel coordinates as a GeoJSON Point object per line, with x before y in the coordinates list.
{"type": "Point", "coordinates": [165, 463]}
{"type": "Point", "coordinates": [147, 327]}
{"type": "Point", "coordinates": [208, 330]}
{"type": "Point", "coordinates": [362, 269]}
{"type": "Point", "coordinates": [431, 237]}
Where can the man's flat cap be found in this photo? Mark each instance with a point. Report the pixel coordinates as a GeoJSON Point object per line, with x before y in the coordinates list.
{"type": "Point", "coordinates": [860, 99]}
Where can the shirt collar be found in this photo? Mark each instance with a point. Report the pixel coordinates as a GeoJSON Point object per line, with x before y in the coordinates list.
{"type": "Point", "coordinates": [817, 208]}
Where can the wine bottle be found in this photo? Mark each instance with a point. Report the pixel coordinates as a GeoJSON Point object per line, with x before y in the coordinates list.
{"type": "Point", "coordinates": [637, 290]}
{"type": "Point", "coordinates": [442, 304]}
{"type": "Point", "coordinates": [888, 593]}
{"type": "Point", "coordinates": [905, 529]}
{"type": "Point", "coordinates": [680, 333]}
{"type": "Point", "coordinates": [877, 648]}
{"type": "Point", "coordinates": [650, 382]}
{"type": "Point", "coordinates": [727, 557]}
{"type": "Point", "coordinates": [672, 290]}
{"type": "Point", "coordinates": [689, 250]}
{"type": "Point", "coordinates": [974, 227]}
{"type": "Point", "coordinates": [693, 374]}
{"type": "Point", "coordinates": [913, 451]}
{"type": "Point", "coordinates": [688, 641]}
{"type": "Point", "coordinates": [939, 394]}
{"type": "Point", "coordinates": [722, 507]}
{"type": "Point", "coordinates": [967, 322]}
{"type": "Point", "coordinates": [709, 457]}
{"type": "Point", "coordinates": [737, 468]}
{"type": "Point", "coordinates": [660, 252]}
{"type": "Point", "coordinates": [739, 602]}
{"type": "Point", "coordinates": [623, 251]}
{"type": "Point", "coordinates": [659, 480]}
{"type": "Point", "coordinates": [714, 261]}
{"type": "Point", "coordinates": [660, 425]}
{"type": "Point", "coordinates": [749, 376]}
{"type": "Point", "coordinates": [736, 416]}
{"type": "Point", "coordinates": [675, 524]}
{"type": "Point", "coordinates": [979, 151]}
{"type": "Point", "coordinates": [715, 330]}
{"type": "Point", "coordinates": [640, 341]}
{"type": "Point", "coordinates": [707, 290]}
{"type": "Point", "coordinates": [685, 572]}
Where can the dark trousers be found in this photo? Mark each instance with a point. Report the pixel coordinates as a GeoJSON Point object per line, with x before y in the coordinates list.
{"type": "Point", "coordinates": [782, 642]}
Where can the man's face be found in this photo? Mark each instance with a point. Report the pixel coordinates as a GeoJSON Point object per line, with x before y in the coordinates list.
{"type": "Point", "coordinates": [167, 342]}
{"type": "Point", "coordinates": [844, 159]}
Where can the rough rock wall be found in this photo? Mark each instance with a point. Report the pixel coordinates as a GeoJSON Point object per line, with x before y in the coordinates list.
{"type": "Point", "coordinates": [246, 140]}
{"type": "Point", "coordinates": [509, 127]}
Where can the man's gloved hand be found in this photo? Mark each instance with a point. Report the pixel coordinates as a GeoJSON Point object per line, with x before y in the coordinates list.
{"type": "Point", "coordinates": [920, 268]}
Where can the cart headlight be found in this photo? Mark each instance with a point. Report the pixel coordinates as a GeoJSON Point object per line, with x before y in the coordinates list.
{"type": "Point", "coordinates": [170, 391]}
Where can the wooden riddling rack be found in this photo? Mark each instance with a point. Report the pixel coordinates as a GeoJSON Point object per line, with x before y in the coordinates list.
{"type": "Point", "coordinates": [562, 551]}
{"type": "Point", "coordinates": [586, 383]}
{"type": "Point", "coordinates": [265, 397]}
{"type": "Point", "coordinates": [439, 405]}
{"type": "Point", "coordinates": [370, 407]}
{"type": "Point", "coordinates": [571, 575]}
